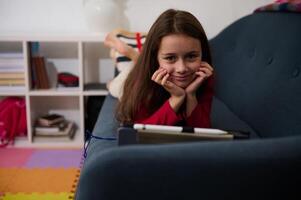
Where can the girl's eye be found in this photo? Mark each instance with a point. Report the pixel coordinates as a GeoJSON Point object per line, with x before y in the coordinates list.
{"type": "Point", "coordinates": [192, 57]}
{"type": "Point", "coordinates": [170, 58]}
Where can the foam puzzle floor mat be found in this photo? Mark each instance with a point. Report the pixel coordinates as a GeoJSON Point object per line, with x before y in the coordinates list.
{"type": "Point", "coordinates": [39, 174]}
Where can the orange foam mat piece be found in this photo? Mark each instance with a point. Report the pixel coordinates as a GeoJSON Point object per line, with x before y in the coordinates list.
{"type": "Point", "coordinates": [38, 196]}
{"type": "Point", "coordinates": [7, 177]}
{"type": "Point", "coordinates": [42, 180]}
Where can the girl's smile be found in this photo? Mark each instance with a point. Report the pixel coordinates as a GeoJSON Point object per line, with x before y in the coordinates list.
{"type": "Point", "coordinates": [181, 78]}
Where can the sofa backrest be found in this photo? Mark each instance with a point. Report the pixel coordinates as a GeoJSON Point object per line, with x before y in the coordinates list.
{"type": "Point", "coordinates": [257, 63]}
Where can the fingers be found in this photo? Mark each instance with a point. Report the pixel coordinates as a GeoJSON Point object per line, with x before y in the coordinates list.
{"type": "Point", "coordinates": [160, 76]}
{"type": "Point", "coordinates": [156, 73]}
{"type": "Point", "coordinates": [206, 65]}
{"type": "Point", "coordinates": [205, 70]}
{"type": "Point", "coordinates": [202, 75]}
{"type": "Point", "coordinates": [164, 81]}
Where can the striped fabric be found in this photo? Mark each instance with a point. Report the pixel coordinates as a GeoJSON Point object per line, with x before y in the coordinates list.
{"type": "Point", "coordinates": [281, 6]}
{"type": "Point", "coordinates": [122, 61]}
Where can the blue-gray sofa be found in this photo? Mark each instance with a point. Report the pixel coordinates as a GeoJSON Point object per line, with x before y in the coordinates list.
{"type": "Point", "coordinates": [257, 62]}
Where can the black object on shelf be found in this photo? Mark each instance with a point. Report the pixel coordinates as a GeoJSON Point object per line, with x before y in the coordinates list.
{"type": "Point", "coordinates": [95, 86]}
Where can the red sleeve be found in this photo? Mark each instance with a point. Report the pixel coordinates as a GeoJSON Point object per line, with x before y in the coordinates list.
{"type": "Point", "coordinates": [165, 115]}
{"type": "Point", "coordinates": [200, 116]}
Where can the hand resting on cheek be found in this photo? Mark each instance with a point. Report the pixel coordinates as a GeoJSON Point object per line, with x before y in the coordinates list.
{"type": "Point", "coordinates": [162, 77]}
{"type": "Point", "coordinates": [202, 73]}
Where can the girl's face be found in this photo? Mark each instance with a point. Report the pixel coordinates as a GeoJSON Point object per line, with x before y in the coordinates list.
{"type": "Point", "coordinates": [180, 55]}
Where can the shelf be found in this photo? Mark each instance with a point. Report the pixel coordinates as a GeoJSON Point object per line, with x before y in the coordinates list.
{"type": "Point", "coordinates": [81, 54]}
{"type": "Point", "coordinates": [56, 92]}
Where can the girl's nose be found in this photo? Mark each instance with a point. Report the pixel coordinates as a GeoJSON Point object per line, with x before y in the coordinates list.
{"type": "Point", "coordinates": [180, 66]}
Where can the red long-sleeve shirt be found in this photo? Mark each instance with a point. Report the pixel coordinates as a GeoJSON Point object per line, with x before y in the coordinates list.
{"type": "Point", "coordinates": [165, 115]}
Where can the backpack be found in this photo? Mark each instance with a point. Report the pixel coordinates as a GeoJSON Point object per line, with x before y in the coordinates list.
{"type": "Point", "coordinates": [12, 119]}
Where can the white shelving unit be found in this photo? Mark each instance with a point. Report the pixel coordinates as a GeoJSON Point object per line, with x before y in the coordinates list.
{"type": "Point", "coordinates": [75, 53]}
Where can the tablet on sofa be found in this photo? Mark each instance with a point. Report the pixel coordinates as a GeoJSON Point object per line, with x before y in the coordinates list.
{"type": "Point", "coordinates": [159, 134]}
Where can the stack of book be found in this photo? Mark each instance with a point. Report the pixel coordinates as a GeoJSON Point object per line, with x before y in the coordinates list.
{"type": "Point", "coordinates": [54, 126]}
{"type": "Point", "coordinates": [12, 70]}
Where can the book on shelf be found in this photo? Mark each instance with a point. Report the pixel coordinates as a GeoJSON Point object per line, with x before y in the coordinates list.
{"type": "Point", "coordinates": [12, 75]}
{"type": "Point", "coordinates": [11, 69]}
{"type": "Point", "coordinates": [65, 133]}
{"type": "Point", "coordinates": [11, 62]}
{"type": "Point", "coordinates": [39, 73]}
{"type": "Point", "coordinates": [50, 119]}
{"type": "Point", "coordinates": [33, 74]}
{"type": "Point", "coordinates": [14, 88]}
{"type": "Point", "coordinates": [12, 82]}
{"type": "Point", "coordinates": [52, 128]}
{"type": "Point", "coordinates": [44, 75]}
{"type": "Point", "coordinates": [52, 75]}
{"type": "Point", "coordinates": [36, 77]}
{"type": "Point", "coordinates": [11, 55]}
{"type": "Point", "coordinates": [12, 78]}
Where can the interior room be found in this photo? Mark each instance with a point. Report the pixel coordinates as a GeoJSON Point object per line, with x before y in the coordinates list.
{"type": "Point", "coordinates": [136, 99]}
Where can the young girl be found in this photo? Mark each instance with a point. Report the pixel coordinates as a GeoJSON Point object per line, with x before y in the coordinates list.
{"type": "Point", "coordinates": [171, 82]}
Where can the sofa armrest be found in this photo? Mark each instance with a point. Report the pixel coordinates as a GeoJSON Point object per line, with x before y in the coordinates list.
{"type": "Point", "coordinates": [105, 127]}
{"type": "Point", "coordinates": [106, 124]}
{"type": "Point", "coordinates": [251, 169]}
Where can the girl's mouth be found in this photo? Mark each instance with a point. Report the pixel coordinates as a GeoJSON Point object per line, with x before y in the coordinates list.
{"type": "Point", "coordinates": [181, 77]}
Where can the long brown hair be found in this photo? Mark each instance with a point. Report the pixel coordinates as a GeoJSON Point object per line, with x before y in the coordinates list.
{"type": "Point", "coordinates": [139, 89]}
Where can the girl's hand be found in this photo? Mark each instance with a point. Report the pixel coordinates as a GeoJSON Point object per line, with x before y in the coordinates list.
{"type": "Point", "coordinates": [203, 72]}
{"type": "Point", "coordinates": [161, 77]}
{"type": "Point", "coordinates": [177, 94]}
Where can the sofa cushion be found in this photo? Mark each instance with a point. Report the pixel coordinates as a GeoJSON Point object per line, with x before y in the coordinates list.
{"type": "Point", "coordinates": [258, 72]}
{"type": "Point", "coordinates": [223, 118]}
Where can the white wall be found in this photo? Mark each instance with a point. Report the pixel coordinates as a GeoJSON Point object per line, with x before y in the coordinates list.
{"type": "Point", "coordinates": [66, 15]}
